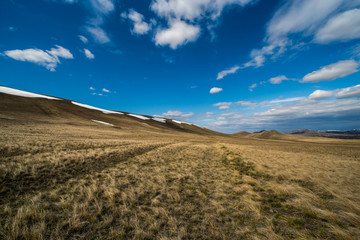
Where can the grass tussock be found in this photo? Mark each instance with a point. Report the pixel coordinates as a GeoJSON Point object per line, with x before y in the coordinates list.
{"type": "Point", "coordinates": [66, 182]}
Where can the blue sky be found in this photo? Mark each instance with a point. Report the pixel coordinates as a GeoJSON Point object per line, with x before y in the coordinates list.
{"type": "Point", "coordinates": [228, 65]}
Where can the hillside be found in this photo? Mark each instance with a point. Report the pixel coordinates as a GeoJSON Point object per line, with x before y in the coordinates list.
{"type": "Point", "coordinates": [70, 171]}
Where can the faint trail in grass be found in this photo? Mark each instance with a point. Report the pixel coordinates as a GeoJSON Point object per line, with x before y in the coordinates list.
{"type": "Point", "coordinates": [50, 175]}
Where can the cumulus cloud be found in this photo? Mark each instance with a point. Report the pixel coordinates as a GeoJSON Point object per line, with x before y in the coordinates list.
{"type": "Point", "coordinates": [184, 12]}
{"type": "Point", "coordinates": [332, 71]}
{"type": "Point", "coordinates": [48, 58]}
{"type": "Point", "coordinates": [105, 90]}
{"type": "Point", "coordinates": [192, 9]}
{"type": "Point", "coordinates": [88, 54]}
{"type": "Point", "coordinates": [343, 27]}
{"type": "Point", "coordinates": [140, 26]}
{"type": "Point", "coordinates": [278, 79]}
{"type": "Point", "coordinates": [178, 34]}
{"type": "Point", "coordinates": [83, 39]}
{"type": "Point", "coordinates": [91, 88]}
{"type": "Point", "coordinates": [215, 90]}
{"type": "Point", "coordinates": [224, 73]}
{"type": "Point", "coordinates": [177, 114]}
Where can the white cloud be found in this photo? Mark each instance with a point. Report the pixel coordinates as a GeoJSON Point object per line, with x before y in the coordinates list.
{"type": "Point", "coordinates": [88, 54]}
{"type": "Point", "coordinates": [223, 105]}
{"type": "Point", "coordinates": [307, 113]}
{"type": "Point", "coordinates": [177, 114]}
{"type": "Point", "coordinates": [278, 79]}
{"type": "Point", "coordinates": [177, 35]}
{"type": "Point", "coordinates": [48, 58]}
{"type": "Point", "coordinates": [91, 88]}
{"type": "Point", "coordinates": [102, 6]}
{"type": "Point", "coordinates": [252, 86]}
{"type": "Point", "coordinates": [140, 26]}
{"type": "Point", "coordinates": [348, 92]}
{"type": "Point", "coordinates": [332, 71]}
{"type": "Point", "coordinates": [304, 18]}
{"type": "Point", "coordinates": [98, 34]}
{"type": "Point", "coordinates": [342, 27]}
{"type": "Point", "coordinates": [321, 94]}
{"type": "Point", "coordinates": [105, 90]}
{"type": "Point", "coordinates": [245, 103]}
{"type": "Point", "coordinates": [83, 39]}
{"type": "Point", "coordinates": [224, 73]}
{"type": "Point", "coordinates": [215, 90]}
{"type": "Point", "coordinates": [192, 9]}
{"type": "Point", "coordinates": [100, 10]}
{"type": "Point", "coordinates": [298, 16]}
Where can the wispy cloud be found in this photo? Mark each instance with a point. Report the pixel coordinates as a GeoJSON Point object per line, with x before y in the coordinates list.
{"type": "Point", "coordinates": [252, 86]}
{"type": "Point", "coordinates": [223, 105]}
{"type": "Point", "coordinates": [340, 93]}
{"type": "Point", "coordinates": [224, 73]}
{"type": "Point", "coordinates": [177, 114]}
{"type": "Point", "coordinates": [88, 54]}
{"type": "Point", "coordinates": [105, 90]}
{"type": "Point", "coordinates": [278, 79]}
{"type": "Point", "coordinates": [342, 27]}
{"type": "Point", "coordinates": [318, 19]}
{"type": "Point", "coordinates": [47, 58]}
{"type": "Point", "coordinates": [98, 34]}
{"type": "Point", "coordinates": [83, 39]}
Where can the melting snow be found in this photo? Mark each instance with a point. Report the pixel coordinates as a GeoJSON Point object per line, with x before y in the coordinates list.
{"type": "Point", "coordinates": [139, 116]}
{"type": "Point", "coordinates": [162, 120]}
{"type": "Point", "coordinates": [180, 122]}
{"type": "Point", "coordinates": [16, 92]}
{"type": "Point", "coordinates": [95, 108]}
{"type": "Point", "coordinates": [103, 122]}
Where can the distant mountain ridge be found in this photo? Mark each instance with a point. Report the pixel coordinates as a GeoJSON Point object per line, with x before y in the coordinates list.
{"type": "Point", "coordinates": [344, 134]}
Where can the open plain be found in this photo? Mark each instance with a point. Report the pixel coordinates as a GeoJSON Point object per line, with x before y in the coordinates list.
{"type": "Point", "coordinates": [65, 176]}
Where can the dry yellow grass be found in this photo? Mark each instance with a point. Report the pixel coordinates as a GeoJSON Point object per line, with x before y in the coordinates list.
{"type": "Point", "coordinates": [62, 181]}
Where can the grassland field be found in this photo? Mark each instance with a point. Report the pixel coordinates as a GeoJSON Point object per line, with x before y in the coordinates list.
{"type": "Point", "coordinates": [76, 181]}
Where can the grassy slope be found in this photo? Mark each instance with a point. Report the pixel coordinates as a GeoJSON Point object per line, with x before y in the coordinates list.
{"type": "Point", "coordinates": [66, 179]}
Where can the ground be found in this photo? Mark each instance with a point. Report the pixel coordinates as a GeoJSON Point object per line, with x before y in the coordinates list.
{"type": "Point", "coordinates": [73, 181]}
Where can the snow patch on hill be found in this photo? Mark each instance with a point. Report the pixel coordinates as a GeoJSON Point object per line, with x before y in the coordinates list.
{"type": "Point", "coordinates": [105, 123]}
{"type": "Point", "coordinates": [20, 93]}
{"type": "Point", "coordinates": [95, 108]}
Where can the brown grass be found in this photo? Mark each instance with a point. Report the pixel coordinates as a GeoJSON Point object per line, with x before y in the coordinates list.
{"type": "Point", "coordinates": [74, 181]}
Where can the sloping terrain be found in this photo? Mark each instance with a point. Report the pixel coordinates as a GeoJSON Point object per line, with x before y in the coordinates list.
{"type": "Point", "coordinates": [64, 176]}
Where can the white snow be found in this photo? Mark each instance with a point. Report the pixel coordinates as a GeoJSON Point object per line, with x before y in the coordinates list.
{"type": "Point", "coordinates": [17, 92]}
{"type": "Point", "coordinates": [102, 122]}
{"type": "Point", "coordinates": [162, 120]}
{"type": "Point", "coordinates": [139, 116]}
{"type": "Point", "coordinates": [180, 122]}
{"type": "Point", "coordinates": [95, 108]}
